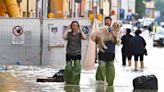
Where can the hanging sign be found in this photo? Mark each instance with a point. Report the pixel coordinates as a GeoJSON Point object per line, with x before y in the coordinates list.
{"type": "Point", "coordinates": [17, 35]}
{"type": "Point", "coordinates": [56, 37]}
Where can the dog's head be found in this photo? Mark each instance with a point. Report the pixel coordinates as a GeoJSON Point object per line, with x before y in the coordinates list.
{"type": "Point", "coordinates": [117, 26]}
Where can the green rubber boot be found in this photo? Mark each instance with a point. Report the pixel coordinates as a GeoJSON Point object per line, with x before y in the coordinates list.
{"type": "Point", "coordinates": [68, 72]}
{"type": "Point", "coordinates": [110, 73]}
{"type": "Point", "coordinates": [100, 73]}
{"type": "Point", "coordinates": [76, 70]}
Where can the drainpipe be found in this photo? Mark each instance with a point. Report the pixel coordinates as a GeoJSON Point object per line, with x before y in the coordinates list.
{"type": "Point", "coordinates": [12, 8]}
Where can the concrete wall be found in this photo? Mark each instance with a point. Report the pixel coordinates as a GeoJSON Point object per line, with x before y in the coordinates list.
{"type": "Point", "coordinates": [56, 56]}
{"type": "Point", "coordinates": [26, 49]}
{"type": "Point", "coordinates": [27, 52]}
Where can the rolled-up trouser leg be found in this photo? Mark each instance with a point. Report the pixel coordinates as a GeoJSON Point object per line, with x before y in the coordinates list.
{"type": "Point", "coordinates": [110, 73]}
{"type": "Point", "coordinates": [68, 72]}
{"type": "Point", "coordinates": [76, 70]}
{"type": "Point", "coordinates": [100, 73]}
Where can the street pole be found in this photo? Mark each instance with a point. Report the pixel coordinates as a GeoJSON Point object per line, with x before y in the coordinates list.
{"type": "Point", "coordinates": [36, 13]}
{"type": "Point", "coordinates": [70, 9]}
{"type": "Point", "coordinates": [42, 9]}
{"type": "Point", "coordinates": [128, 5]}
{"type": "Point", "coordinates": [110, 7]}
{"type": "Point", "coordinates": [80, 9]}
{"type": "Point", "coordinates": [92, 6]}
{"type": "Point", "coordinates": [95, 3]}
{"type": "Point", "coordinates": [100, 8]}
{"type": "Point", "coordinates": [41, 35]}
{"type": "Point", "coordinates": [27, 8]}
{"type": "Point", "coordinates": [118, 9]}
{"type": "Point", "coordinates": [73, 8]}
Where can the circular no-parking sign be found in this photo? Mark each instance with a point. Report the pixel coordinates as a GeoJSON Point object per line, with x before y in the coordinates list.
{"type": "Point", "coordinates": [85, 29]}
{"type": "Point", "coordinates": [17, 31]}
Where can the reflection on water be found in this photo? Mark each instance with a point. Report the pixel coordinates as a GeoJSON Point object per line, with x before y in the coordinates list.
{"type": "Point", "coordinates": [98, 88]}
{"type": "Point", "coordinates": [72, 88]}
{"type": "Point", "coordinates": [23, 79]}
{"type": "Point", "coordinates": [104, 89]}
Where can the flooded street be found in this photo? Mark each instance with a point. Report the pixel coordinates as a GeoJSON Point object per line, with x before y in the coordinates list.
{"type": "Point", "coordinates": [19, 78]}
{"type": "Point", "coordinates": [38, 37]}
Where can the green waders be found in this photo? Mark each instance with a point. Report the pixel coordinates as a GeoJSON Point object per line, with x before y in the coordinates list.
{"type": "Point", "coordinates": [106, 70]}
{"type": "Point", "coordinates": [72, 72]}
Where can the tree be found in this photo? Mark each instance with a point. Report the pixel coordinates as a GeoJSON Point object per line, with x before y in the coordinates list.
{"type": "Point", "coordinates": [159, 7]}
{"type": "Point", "coordinates": [140, 8]}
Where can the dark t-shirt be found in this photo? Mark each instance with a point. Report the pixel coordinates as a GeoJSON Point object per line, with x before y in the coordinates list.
{"type": "Point", "coordinates": [126, 45]}
{"type": "Point", "coordinates": [74, 44]}
{"type": "Point", "coordinates": [109, 53]}
{"type": "Point", "coordinates": [137, 45]}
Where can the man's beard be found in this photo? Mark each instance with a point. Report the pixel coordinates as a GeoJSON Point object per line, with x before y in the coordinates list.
{"type": "Point", "coordinates": [107, 24]}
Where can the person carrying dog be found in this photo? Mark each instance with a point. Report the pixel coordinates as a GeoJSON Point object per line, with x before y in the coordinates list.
{"type": "Point", "coordinates": [106, 69]}
{"type": "Point", "coordinates": [126, 48]}
{"type": "Point", "coordinates": [73, 53]}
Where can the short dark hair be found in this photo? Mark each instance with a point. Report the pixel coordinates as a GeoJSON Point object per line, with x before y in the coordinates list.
{"type": "Point", "coordinates": [128, 30]}
{"type": "Point", "coordinates": [108, 17]}
{"type": "Point", "coordinates": [137, 32]}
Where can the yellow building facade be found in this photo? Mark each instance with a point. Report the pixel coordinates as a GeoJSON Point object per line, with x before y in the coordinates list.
{"type": "Point", "coordinates": [10, 7]}
{"type": "Point", "coordinates": [58, 8]}
{"type": "Point", "coordinates": [150, 8]}
{"type": "Point", "coordinates": [28, 8]}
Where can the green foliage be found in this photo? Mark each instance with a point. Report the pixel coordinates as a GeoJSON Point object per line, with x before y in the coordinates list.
{"type": "Point", "coordinates": [140, 8]}
{"type": "Point", "coordinates": [159, 5]}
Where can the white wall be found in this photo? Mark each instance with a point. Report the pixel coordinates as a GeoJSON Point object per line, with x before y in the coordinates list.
{"type": "Point", "coordinates": [56, 56]}
{"type": "Point", "coordinates": [27, 53]}
{"type": "Point", "coordinates": [106, 8]}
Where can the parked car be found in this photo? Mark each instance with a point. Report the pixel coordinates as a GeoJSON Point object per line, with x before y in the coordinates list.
{"type": "Point", "coordinates": [147, 22]}
{"type": "Point", "coordinates": [162, 24]}
{"type": "Point", "coordinates": [158, 37]}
